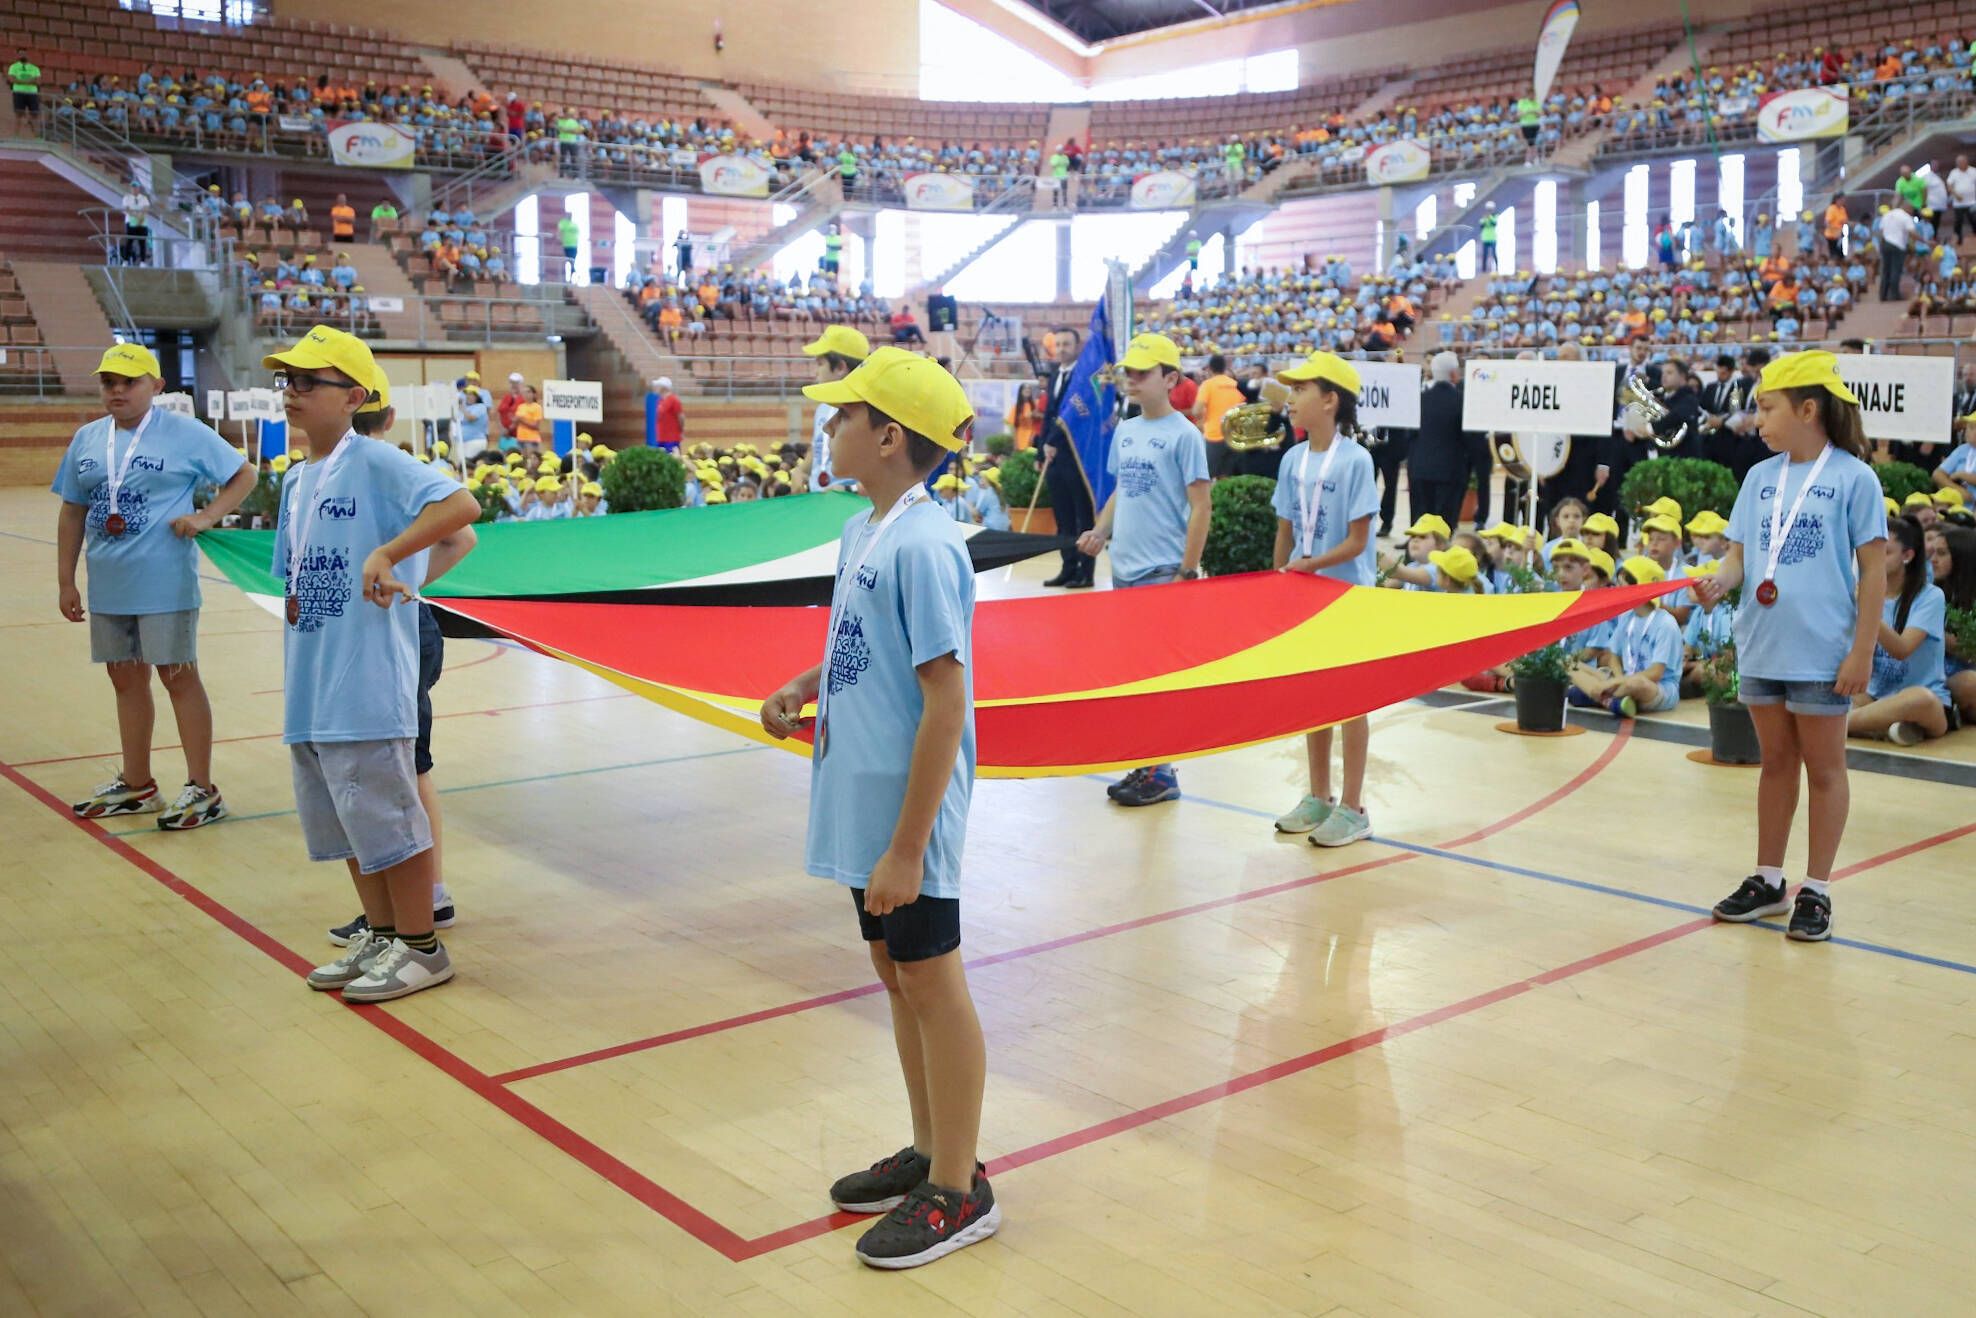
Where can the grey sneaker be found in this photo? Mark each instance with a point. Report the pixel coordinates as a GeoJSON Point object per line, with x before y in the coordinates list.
{"type": "Point", "coordinates": [884, 1185]}
{"type": "Point", "coordinates": [931, 1224]}
{"type": "Point", "coordinates": [364, 948]}
{"type": "Point", "coordinates": [1341, 827]}
{"type": "Point", "coordinates": [1310, 812]}
{"type": "Point", "coordinates": [399, 971]}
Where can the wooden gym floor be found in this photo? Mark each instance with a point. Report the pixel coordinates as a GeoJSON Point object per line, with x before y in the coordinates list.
{"type": "Point", "coordinates": [1495, 1061]}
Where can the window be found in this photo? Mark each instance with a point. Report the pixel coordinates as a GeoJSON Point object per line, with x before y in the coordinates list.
{"type": "Point", "coordinates": [1543, 228]}
{"type": "Point", "coordinates": [528, 247]}
{"type": "Point", "coordinates": [1426, 214]}
{"type": "Point", "coordinates": [1681, 192]}
{"type": "Point", "coordinates": [1020, 268]}
{"type": "Point", "coordinates": [1729, 192]}
{"type": "Point", "coordinates": [1247, 244]}
{"type": "Point", "coordinates": [1633, 231]}
{"type": "Point", "coordinates": [1131, 238]}
{"type": "Point", "coordinates": [577, 206]}
{"type": "Point", "coordinates": [888, 253]}
{"type": "Point", "coordinates": [234, 13]}
{"type": "Point", "coordinates": [1790, 185]}
{"type": "Point", "coordinates": [1594, 258]}
{"type": "Point", "coordinates": [624, 247]}
{"type": "Point", "coordinates": [1506, 238]}
{"type": "Point", "coordinates": [672, 221]}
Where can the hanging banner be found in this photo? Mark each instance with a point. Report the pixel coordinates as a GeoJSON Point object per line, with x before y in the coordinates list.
{"type": "Point", "coordinates": [1552, 38]}
{"type": "Point", "coordinates": [296, 123]}
{"type": "Point", "coordinates": [1405, 161]}
{"type": "Point", "coordinates": [1901, 397]}
{"type": "Point", "coordinates": [573, 400]}
{"type": "Point", "coordinates": [1167, 189]}
{"type": "Point", "coordinates": [385, 306]}
{"type": "Point", "coordinates": [1804, 113]}
{"type": "Point", "coordinates": [939, 192]}
{"type": "Point", "coordinates": [1389, 394]}
{"type": "Point", "coordinates": [1560, 397]}
{"type": "Point", "coordinates": [734, 176]}
{"type": "Point", "coordinates": [369, 145]}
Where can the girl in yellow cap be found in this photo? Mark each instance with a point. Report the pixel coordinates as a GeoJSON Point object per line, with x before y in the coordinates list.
{"type": "Point", "coordinates": [1807, 542]}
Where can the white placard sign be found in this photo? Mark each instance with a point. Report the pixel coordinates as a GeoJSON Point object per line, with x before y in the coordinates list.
{"type": "Point", "coordinates": [240, 405]}
{"type": "Point", "coordinates": [1901, 397]}
{"type": "Point", "coordinates": [216, 404]}
{"type": "Point", "coordinates": [1562, 397]}
{"type": "Point", "coordinates": [267, 404]}
{"type": "Point", "coordinates": [1389, 394]}
{"type": "Point", "coordinates": [440, 400]}
{"type": "Point", "coordinates": [180, 403]}
{"type": "Point", "coordinates": [385, 306]}
{"type": "Point", "coordinates": [573, 400]}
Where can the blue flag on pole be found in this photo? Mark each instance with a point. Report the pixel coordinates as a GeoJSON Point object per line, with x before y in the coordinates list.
{"type": "Point", "coordinates": [273, 437]}
{"type": "Point", "coordinates": [1090, 405]}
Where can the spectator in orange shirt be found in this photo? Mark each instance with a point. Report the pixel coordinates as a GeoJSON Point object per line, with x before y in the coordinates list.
{"type": "Point", "coordinates": [1633, 326]}
{"type": "Point", "coordinates": [1836, 220]}
{"type": "Point", "coordinates": [1775, 267]}
{"type": "Point", "coordinates": [1216, 395]}
{"type": "Point", "coordinates": [708, 293]}
{"type": "Point", "coordinates": [342, 221]}
{"type": "Point", "coordinates": [670, 322]}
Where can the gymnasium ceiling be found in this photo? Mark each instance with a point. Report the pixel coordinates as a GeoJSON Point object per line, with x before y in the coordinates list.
{"type": "Point", "coordinates": [1101, 20]}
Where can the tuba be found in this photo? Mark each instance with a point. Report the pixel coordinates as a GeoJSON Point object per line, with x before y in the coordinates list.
{"type": "Point", "coordinates": [1644, 411]}
{"type": "Point", "coordinates": [1248, 428]}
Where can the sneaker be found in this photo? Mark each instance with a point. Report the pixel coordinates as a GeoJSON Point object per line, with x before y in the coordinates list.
{"type": "Point", "coordinates": [930, 1224]}
{"type": "Point", "coordinates": [118, 797]}
{"type": "Point", "coordinates": [1811, 918]}
{"type": "Point", "coordinates": [1342, 827]}
{"type": "Point", "coordinates": [1157, 785]}
{"type": "Point", "coordinates": [884, 1185]}
{"type": "Point", "coordinates": [1906, 734]}
{"type": "Point", "coordinates": [1754, 900]}
{"type": "Point", "coordinates": [365, 947]}
{"type": "Point", "coordinates": [1624, 707]}
{"type": "Point", "coordinates": [195, 807]}
{"type": "Point", "coordinates": [1129, 783]}
{"type": "Point", "coordinates": [400, 971]}
{"type": "Point", "coordinates": [1310, 812]}
{"type": "Point", "coordinates": [443, 917]}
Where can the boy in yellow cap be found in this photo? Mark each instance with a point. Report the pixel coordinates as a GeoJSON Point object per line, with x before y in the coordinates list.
{"type": "Point", "coordinates": [1662, 534]}
{"type": "Point", "coordinates": [1706, 530]}
{"type": "Point", "coordinates": [126, 484]}
{"type": "Point", "coordinates": [890, 781]}
{"type": "Point", "coordinates": [350, 516]}
{"type": "Point", "coordinates": [1811, 527]}
{"type": "Point", "coordinates": [1156, 520]}
{"type": "Point", "coordinates": [838, 351]}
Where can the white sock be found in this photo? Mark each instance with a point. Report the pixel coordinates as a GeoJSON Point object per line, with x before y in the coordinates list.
{"type": "Point", "coordinates": [1817, 885]}
{"type": "Point", "coordinates": [440, 897]}
{"type": "Point", "coordinates": [1773, 875]}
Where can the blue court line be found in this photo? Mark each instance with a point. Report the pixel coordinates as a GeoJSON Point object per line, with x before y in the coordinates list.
{"type": "Point", "coordinates": [503, 782]}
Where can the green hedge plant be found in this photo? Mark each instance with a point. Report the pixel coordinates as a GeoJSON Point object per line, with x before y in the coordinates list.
{"type": "Point", "coordinates": [1242, 534]}
{"type": "Point", "coordinates": [639, 480]}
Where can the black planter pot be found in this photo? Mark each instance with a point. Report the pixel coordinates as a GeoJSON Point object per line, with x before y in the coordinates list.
{"type": "Point", "coordinates": [1539, 705]}
{"type": "Point", "coordinates": [1732, 735]}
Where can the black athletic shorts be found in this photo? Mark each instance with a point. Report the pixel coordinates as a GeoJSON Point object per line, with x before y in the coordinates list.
{"type": "Point", "coordinates": [919, 931]}
{"type": "Point", "coordinates": [1530, 132]}
{"type": "Point", "coordinates": [432, 658]}
{"type": "Point", "coordinates": [27, 102]}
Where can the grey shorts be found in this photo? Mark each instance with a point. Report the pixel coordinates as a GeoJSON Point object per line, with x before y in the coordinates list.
{"type": "Point", "coordinates": [361, 799]}
{"type": "Point", "coordinates": [159, 639]}
{"type": "Point", "coordinates": [1159, 576]}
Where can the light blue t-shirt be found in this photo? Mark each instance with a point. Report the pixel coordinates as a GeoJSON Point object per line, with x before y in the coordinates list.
{"type": "Point", "coordinates": [912, 602]}
{"type": "Point", "coordinates": [1926, 666]}
{"type": "Point", "coordinates": [1961, 458]}
{"type": "Point", "coordinates": [1806, 634]}
{"type": "Point", "coordinates": [1641, 642]}
{"type": "Point", "coordinates": [1708, 630]}
{"type": "Point", "coordinates": [352, 669]}
{"type": "Point", "coordinates": [1155, 462]}
{"type": "Point", "coordinates": [147, 569]}
{"type": "Point", "coordinates": [1596, 637]}
{"type": "Point", "coordinates": [474, 408]}
{"type": "Point", "coordinates": [1349, 494]}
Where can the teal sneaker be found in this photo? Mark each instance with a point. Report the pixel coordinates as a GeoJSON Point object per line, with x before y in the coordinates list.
{"type": "Point", "coordinates": [1342, 827]}
{"type": "Point", "coordinates": [1310, 812]}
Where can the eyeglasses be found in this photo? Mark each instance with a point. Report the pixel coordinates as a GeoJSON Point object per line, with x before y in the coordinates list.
{"type": "Point", "coordinates": [307, 384]}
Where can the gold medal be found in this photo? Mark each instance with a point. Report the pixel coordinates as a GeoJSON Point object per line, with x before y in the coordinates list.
{"type": "Point", "coordinates": [294, 610]}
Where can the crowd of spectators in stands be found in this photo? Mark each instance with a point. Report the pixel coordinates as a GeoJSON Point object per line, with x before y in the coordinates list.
{"type": "Point", "coordinates": [1323, 306]}
{"type": "Point", "coordinates": [696, 303]}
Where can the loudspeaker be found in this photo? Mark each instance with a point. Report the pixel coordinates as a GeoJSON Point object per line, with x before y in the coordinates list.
{"type": "Point", "coordinates": [942, 313]}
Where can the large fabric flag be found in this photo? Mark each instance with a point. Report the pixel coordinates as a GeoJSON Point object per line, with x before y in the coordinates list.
{"type": "Point", "coordinates": [1090, 407]}
{"type": "Point", "coordinates": [1552, 38]}
{"type": "Point", "coordinates": [1101, 682]}
{"type": "Point", "coordinates": [771, 551]}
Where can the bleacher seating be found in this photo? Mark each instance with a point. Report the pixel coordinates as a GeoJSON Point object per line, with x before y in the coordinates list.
{"type": "Point", "coordinates": [28, 368]}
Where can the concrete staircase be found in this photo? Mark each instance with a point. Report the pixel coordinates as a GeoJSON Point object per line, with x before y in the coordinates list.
{"type": "Point", "coordinates": [493, 195]}
{"type": "Point", "coordinates": [1457, 304]}
{"type": "Point", "coordinates": [1873, 320]}
{"type": "Point", "coordinates": [740, 111]}
{"type": "Point", "coordinates": [34, 434]}
{"type": "Point", "coordinates": [378, 271]}
{"type": "Point", "coordinates": [820, 199]}
{"type": "Point", "coordinates": [70, 318]}
{"type": "Point", "coordinates": [449, 73]}
{"type": "Point", "coordinates": [38, 216]}
{"type": "Point", "coordinates": [938, 279]}
{"type": "Point", "coordinates": [627, 335]}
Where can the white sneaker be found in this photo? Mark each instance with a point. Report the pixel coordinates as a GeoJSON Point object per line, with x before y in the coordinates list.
{"type": "Point", "coordinates": [1906, 734]}
{"type": "Point", "coordinates": [1310, 812]}
{"type": "Point", "coordinates": [398, 972]}
{"type": "Point", "coordinates": [1342, 827]}
{"type": "Point", "coordinates": [364, 948]}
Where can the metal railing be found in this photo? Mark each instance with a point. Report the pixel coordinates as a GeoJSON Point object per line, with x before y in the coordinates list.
{"type": "Point", "coordinates": [441, 150]}
{"type": "Point", "coordinates": [428, 321]}
{"type": "Point", "coordinates": [1885, 118]}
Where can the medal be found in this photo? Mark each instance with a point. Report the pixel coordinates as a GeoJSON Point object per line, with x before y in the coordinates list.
{"type": "Point", "coordinates": [115, 472]}
{"type": "Point", "coordinates": [294, 610]}
{"type": "Point", "coordinates": [114, 524]}
{"type": "Point", "coordinates": [1781, 524]}
{"type": "Point", "coordinates": [1766, 593]}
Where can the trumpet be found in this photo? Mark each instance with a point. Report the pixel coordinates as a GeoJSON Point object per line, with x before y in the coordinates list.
{"type": "Point", "coordinates": [1645, 410]}
{"type": "Point", "coordinates": [1249, 427]}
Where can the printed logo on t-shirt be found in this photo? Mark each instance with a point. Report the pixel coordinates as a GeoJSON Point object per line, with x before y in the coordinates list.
{"type": "Point", "coordinates": [1136, 476]}
{"type": "Point", "coordinates": [132, 506]}
{"type": "Point", "coordinates": [337, 508]}
{"type": "Point", "coordinates": [1805, 542]}
{"type": "Point", "coordinates": [850, 656]}
{"type": "Point", "coordinates": [147, 464]}
{"type": "Point", "coordinates": [868, 578]}
{"type": "Point", "coordinates": [321, 585]}
{"type": "Point", "coordinates": [85, 464]}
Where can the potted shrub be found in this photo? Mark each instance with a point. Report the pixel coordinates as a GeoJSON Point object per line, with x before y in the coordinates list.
{"type": "Point", "coordinates": [1242, 531]}
{"type": "Point", "coordinates": [1541, 682]}
{"type": "Point", "coordinates": [1020, 472]}
{"type": "Point", "coordinates": [1693, 483]}
{"type": "Point", "coordinates": [641, 479]}
{"type": "Point", "coordinates": [1731, 732]}
{"type": "Point", "coordinates": [492, 500]}
{"type": "Point", "coordinates": [1900, 479]}
{"type": "Point", "coordinates": [999, 446]}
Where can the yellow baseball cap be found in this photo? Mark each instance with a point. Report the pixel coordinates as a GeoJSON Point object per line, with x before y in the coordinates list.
{"type": "Point", "coordinates": [591, 487]}
{"type": "Point", "coordinates": [129, 359]}
{"type": "Point", "coordinates": [514, 459]}
{"type": "Point", "coordinates": [842, 340]}
{"type": "Point", "coordinates": [1504, 531]}
{"type": "Point", "coordinates": [1569, 548]}
{"type": "Point", "coordinates": [1812, 369]}
{"type": "Point", "coordinates": [1706, 568]}
{"type": "Point", "coordinates": [1643, 570]}
{"type": "Point", "coordinates": [1662, 522]}
{"type": "Point", "coordinates": [1457, 563]}
{"type": "Point", "coordinates": [550, 462]}
{"type": "Point", "coordinates": [1919, 499]}
{"type": "Point", "coordinates": [380, 385]}
{"type": "Point", "coordinates": [917, 392]}
{"type": "Point", "coordinates": [1950, 496]}
{"type": "Point", "coordinates": [1323, 366]}
{"type": "Point", "coordinates": [327, 348]}
{"type": "Point", "coordinates": [473, 375]}
{"type": "Point", "coordinates": [1893, 507]}
{"type": "Point", "coordinates": [948, 483]}
{"type": "Point", "coordinates": [1147, 351]}
{"type": "Point", "coordinates": [1664, 507]}
{"type": "Point", "coordinates": [1601, 560]}
{"type": "Point", "coordinates": [716, 495]}
{"type": "Point", "coordinates": [1431, 524]}
{"type": "Point", "coordinates": [1708, 522]}
{"type": "Point", "coordinates": [1602, 523]}
{"type": "Point", "coordinates": [602, 452]}
{"type": "Point", "coordinates": [543, 484]}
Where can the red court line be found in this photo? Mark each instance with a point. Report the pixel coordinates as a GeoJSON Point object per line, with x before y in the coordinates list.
{"type": "Point", "coordinates": [1585, 775]}
{"type": "Point", "coordinates": [499, 650]}
{"type": "Point", "coordinates": [271, 736]}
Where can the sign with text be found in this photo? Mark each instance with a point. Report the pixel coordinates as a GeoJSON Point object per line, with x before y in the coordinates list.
{"type": "Point", "coordinates": [385, 306]}
{"type": "Point", "coordinates": [1807, 112]}
{"type": "Point", "coordinates": [1389, 394]}
{"type": "Point", "coordinates": [296, 123]}
{"type": "Point", "coordinates": [734, 176]}
{"type": "Point", "coordinates": [1900, 397]}
{"type": "Point", "coordinates": [240, 405]}
{"type": "Point", "coordinates": [1572, 398]}
{"type": "Point", "coordinates": [1165, 189]}
{"type": "Point", "coordinates": [573, 400]}
{"type": "Point", "coordinates": [1405, 161]}
{"type": "Point", "coordinates": [179, 403]}
{"type": "Point", "coordinates": [939, 192]}
{"type": "Point", "coordinates": [370, 145]}
{"type": "Point", "coordinates": [216, 404]}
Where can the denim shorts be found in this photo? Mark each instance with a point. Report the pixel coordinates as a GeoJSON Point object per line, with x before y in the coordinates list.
{"type": "Point", "coordinates": [163, 640]}
{"type": "Point", "coordinates": [1800, 697]}
{"type": "Point", "coordinates": [359, 799]}
{"type": "Point", "coordinates": [1158, 576]}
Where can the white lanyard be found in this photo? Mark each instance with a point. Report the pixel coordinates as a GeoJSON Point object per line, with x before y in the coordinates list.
{"type": "Point", "coordinates": [1636, 634]}
{"type": "Point", "coordinates": [1781, 529]}
{"type": "Point", "coordinates": [1307, 521]}
{"type": "Point", "coordinates": [298, 506]}
{"type": "Point", "coordinates": [117, 471]}
{"type": "Point", "coordinates": [840, 597]}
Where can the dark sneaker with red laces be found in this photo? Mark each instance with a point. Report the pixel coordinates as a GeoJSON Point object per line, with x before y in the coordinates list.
{"type": "Point", "coordinates": [931, 1224]}
{"type": "Point", "coordinates": [884, 1185]}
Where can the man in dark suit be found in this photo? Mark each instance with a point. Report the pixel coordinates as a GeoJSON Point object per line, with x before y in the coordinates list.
{"type": "Point", "coordinates": [1438, 463]}
{"type": "Point", "coordinates": [1722, 399]}
{"type": "Point", "coordinates": [1070, 492]}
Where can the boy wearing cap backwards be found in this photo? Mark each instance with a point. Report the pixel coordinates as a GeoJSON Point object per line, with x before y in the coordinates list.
{"type": "Point", "coordinates": [349, 515]}
{"type": "Point", "coordinates": [890, 782]}
{"type": "Point", "coordinates": [838, 351]}
{"type": "Point", "coordinates": [126, 486]}
{"type": "Point", "coordinates": [1326, 497]}
{"type": "Point", "coordinates": [1811, 523]}
{"type": "Point", "coordinates": [1159, 508]}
